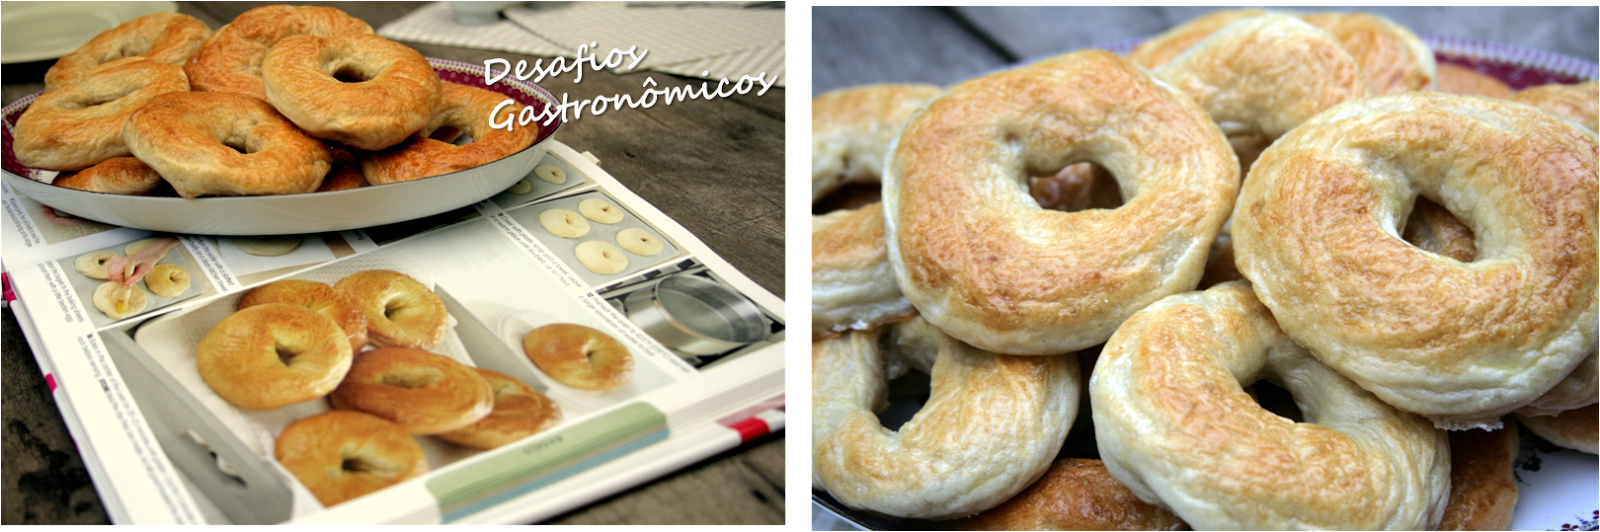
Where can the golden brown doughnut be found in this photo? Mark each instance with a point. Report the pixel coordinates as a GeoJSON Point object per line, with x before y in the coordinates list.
{"type": "Point", "coordinates": [400, 311]}
{"type": "Point", "coordinates": [423, 392]}
{"type": "Point", "coordinates": [1173, 423]}
{"type": "Point", "coordinates": [991, 426]}
{"type": "Point", "coordinates": [1581, 388]}
{"type": "Point", "coordinates": [167, 280]}
{"type": "Point", "coordinates": [1483, 483]}
{"type": "Point", "coordinates": [463, 111]}
{"type": "Point", "coordinates": [316, 296]}
{"type": "Point", "coordinates": [1394, 59]}
{"type": "Point", "coordinates": [161, 37]}
{"type": "Point", "coordinates": [579, 356]}
{"type": "Point", "coordinates": [979, 259]}
{"type": "Point", "coordinates": [851, 129]}
{"type": "Point", "coordinates": [1462, 80]}
{"type": "Point", "coordinates": [230, 61]}
{"type": "Point", "coordinates": [117, 175]}
{"type": "Point", "coordinates": [1075, 494]}
{"type": "Point", "coordinates": [80, 125]}
{"type": "Point", "coordinates": [1316, 229]}
{"type": "Point", "coordinates": [341, 455]}
{"type": "Point", "coordinates": [852, 285]}
{"type": "Point", "coordinates": [1574, 429]}
{"type": "Point", "coordinates": [519, 411]}
{"type": "Point", "coordinates": [1158, 50]}
{"type": "Point", "coordinates": [343, 177]}
{"type": "Point", "coordinates": [273, 355]}
{"type": "Point", "coordinates": [393, 91]}
{"type": "Point", "coordinates": [213, 143]}
{"type": "Point", "coordinates": [1577, 103]}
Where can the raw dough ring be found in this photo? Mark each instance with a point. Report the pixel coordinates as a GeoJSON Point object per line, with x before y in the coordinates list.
{"type": "Point", "coordinates": [273, 355]}
{"type": "Point", "coordinates": [424, 393]}
{"type": "Point", "coordinates": [167, 280]}
{"type": "Point", "coordinates": [400, 310]}
{"type": "Point", "coordinates": [519, 411]}
{"type": "Point", "coordinates": [639, 242]}
{"type": "Point", "coordinates": [161, 37]}
{"type": "Point", "coordinates": [396, 96]}
{"type": "Point", "coordinates": [563, 223]}
{"type": "Point", "coordinates": [601, 257]}
{"type": "Point", "coordinates": [978, 257]}
{"type": "Point", "coordinates": [214, 143]}
{"type": "Point", "coordinates": [1173, 423]}
{"type": "Point", "coordinates": [992, 425]}
{"type": "Point", "coordinates": [1316, 229]}
{"type": "Point", "coordinates": [81, 125]}
{"type": "Point", "coordinates": [265, 246]}
{"type": "Point", "coordinates": [551, 174]}
{"type": "Point", "coordinates": [320, 297]}
{"type": "Point", "coordinates": [117, 175]}
{"type": "Point", "coordinates": [93, 264]}
{"type": "Point", "coordinates": [118, 301]}
{"type": "Point", "coordinates": [580, 357]}
{"type": "Point", "coordinates": [341, 455]}
{"type": "Point", "coordinates": [600, 210]}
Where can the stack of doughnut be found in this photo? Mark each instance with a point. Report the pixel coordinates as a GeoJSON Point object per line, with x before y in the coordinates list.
{"type": "Point", "coordinates": [1308, 202]}
{"type": "Point", "coordinates": [282, 100]}
{"type": "Point", "coordinates": [296, 340]}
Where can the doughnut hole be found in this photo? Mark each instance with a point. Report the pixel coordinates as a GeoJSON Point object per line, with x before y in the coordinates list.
{"type": "Point", "coordinates": [1433, 228]}
{"type": "Point", "coordinates": [1077, 187]}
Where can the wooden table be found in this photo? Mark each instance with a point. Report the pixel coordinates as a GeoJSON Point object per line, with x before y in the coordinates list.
{"type": "Point", "coordinates": [714, 166]}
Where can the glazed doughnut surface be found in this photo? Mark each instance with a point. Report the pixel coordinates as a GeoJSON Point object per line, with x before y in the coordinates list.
{"type": "Point", "coordinates": [1174, 424]}
{"type": "Point", "coordinates": [341, 455]}
{"type": "Point", "coordinates": [400, 310]}
{"type": "Point", "coordinates": [977, 256]}
{"type": "Point", "coordinates": [580, 357]}
{"type": "Point", "coordinates": [1316, 229]}
{"type": "Point", "coordinates": [273, 355]}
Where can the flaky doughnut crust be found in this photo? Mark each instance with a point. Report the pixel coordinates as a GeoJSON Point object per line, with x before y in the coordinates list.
{"type": "Point", "coordinates": [1462, 80]}
{"type": "Point", "coordinates": [161, 37]}
{"type": "Point", "coordinates": [117, 175]}
{"type": "Point", "coordinates": [1577, 103]}
{"type": "Point", "coordinates": [462, 111]}
{"type": "Point", "coordinates": [1316, 230]}
{"type": "Point", "coordinates": [230, 61]}
{"type": "Point", "coordinates": [273, 355]}
{"type": "Point", "coordinates": [1075, 494]}
{"type": "Point", "coordinates": [80, 125]}
{"type": "Point", "coordinates": [341, 455]}
{"type": "Point", "coordinates": [978, 257]}
{"type": "Point", "coordinates": [1158, 50]}
{"type": "Point", "coordinates": [423, 392]}
{"type": "Point", "coordinates": [223, 144]}
{"type": "Point", "coordinates": [1574, 429]}
{"type": "Point", "coordinates": [1394, 59]}
{"type": "Point", "coordinates": [851, 130]}
{"type": "Point", "coordinates": [1483, 482]}
{"type": "Point", "coordinates": [396, 98]}
{"type": "Point", "coordinates": [990, 428]}
{"type": "Point", "coordinates": [1173, 423]}
{"type": "Point", "coordinates": [852, 285]}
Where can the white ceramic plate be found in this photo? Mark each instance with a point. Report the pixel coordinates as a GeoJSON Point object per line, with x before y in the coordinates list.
{"type": "Point", "coordinates": [35, 31]}
{"type": "Point", "coordinates": [295, 213]}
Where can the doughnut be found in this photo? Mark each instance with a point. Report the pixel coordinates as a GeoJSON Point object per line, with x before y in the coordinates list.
{"type": "Point", "coordinates": [161, 37]}
{"type": "Point", "coordinates": [1462, 80]}
{"type": "Point", "coordinates": [118, 301]}
{"type": "Point", "coordinates": [117, 175]}
{"type": "Point", "coordinates": [320, 297]}
{"type": "Point", "coordinates": [1577, 103]}
{"type": "Point", "coordinates": [167, 280]}
{"type": "Point", "coordinates": [1581, 388]}
{"type": "Point", "coordinates": [392, 93]}
{"type": "Point", "coordinates": [81, 125]}
{"type": "Point", "coordinates": [273, 355]}
{"type": "Point", "coordinates": [1573, 429]}
{"type": "Point", "coordinates": [400, 311]}
{"type": "Point", "coordinates": [601, 257]}
{"type": "Point", "coordinates": [522, 186]}
{"type": "Point", "coordinates": [213, 143]}
{"type": "Point", "coordinates": [230, 61]}
{"type": "Point", "coordinates": [423, 392]}
{"type": "Point", "coordinates": [978, 258]}
{"type": "Point", "coordinates": [1158, 50]}
{"type": "Point", "coordinates": [93, 264]}
{"type": "Point", "coordinates": [852, 285]}
{"type": "Point", "coordinates": [1483, 482]}
{"type": "Point", "coordinates": [600, 210]}
{"type": "Point", "coordinates": [463, 112]}
{"type": "Point", "coordinates": [991, 426]}
{"type": "Point", "coordinates": [341, 455]}
{"type": "Point", "coordinates": [1238, 75]}
{"type": "Point", "coordinates": [639, 242]}
{"type": "Point", "coordinates": [563, 223]}
{"type": "Point", "coordinates": [579, 356]}
{"type": "Point", "coordinates": [550, 174]}
{"type": "Point", "coordinates": [267, 246]}
{"type": "Point", "coordinates": [1074, 494]}
{"type": "Point", "coordinates": [343, 177]}
{"type": "Point", "coordinates": [519, 411]}
{"type": "Point", "coordinates": [1315, 229]}
{"type": "Point", "coordinates": [1174, 425]}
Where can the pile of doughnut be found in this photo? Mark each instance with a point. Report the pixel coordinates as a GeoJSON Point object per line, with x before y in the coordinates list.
{"type": "Point", "coordinates": [296, 340]}
{"type": "Point", "coordinates": [282, 100]}
{"type": "Point", "coordinates": [120, 296]}
{"type": "Point", "coordinates": [1295, 203]}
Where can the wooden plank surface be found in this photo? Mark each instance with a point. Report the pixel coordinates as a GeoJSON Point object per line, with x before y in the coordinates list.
{"type": "Point", "coordinates": [715, 166]}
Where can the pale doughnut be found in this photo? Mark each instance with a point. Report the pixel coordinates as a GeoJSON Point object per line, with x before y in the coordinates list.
{"type": "Point", "coordinates": [93, 264]}
{"type": "Point", "coordinates": [991, 426]}
{"type": "Point", "coordinates": [167, 280]}
{"type": "Point", "coordinates": [522, 186]}
{"type": "Point", "coordinates": [1579, 103]}
{"type": "Point", "coordinates": [266, 246]}
{"type": "Point", "coordinates": [462, 112]}
{"type": "Point", "coordinates": [81, 125]}
{"type": "Point", "coordinates": [979, 259]}
{"type": "Point", "coordinates": [550, 174]}
{"type": "Point", "coordinates": [214, 143]}
{"type": "Point", "coordinates": [273, 355]}
{"type": "Point", "coordinates": [519, 411]}
{"type": "Point", "coordinates": [601, 257]}
{"type": "Point", "coordinates": [579, 356]}
{"type": "Point", "coordinates": [161, 37]}
{"type": "Point", "coordinates": [1462, 80]}
{"type": "Point", "coordinates": [230, 61]}
{"type": "Point", "coordinates": [852, 284]}
{"type": "Point", "coordinates": [117, 175]}
{"type": "Point", "coordinates": [341, 455]}
{"type": "Point", "coordinates": [851, 130]}
{"type": "Point", "coordinates": [1316, 229]}
{"type": "Point", "coordinates": [423, 392]}
{"type": "Point", "coordinates": [395, 96]}
{"type": "Point", "coordinates": [639, 242]}
{"type": "Point", "coordinates": [400, 310]}
{"type": "Point", "coordinates": [563, 223]}
{"type": "Point", "coordinates": [1577, 429]}
{"type": "Point", "coordinates": [600, 210]}
{"type": "Point", "coordinates": [1483, 482]}
{"type": "Point", "coordinates": [1075, 494]}
{"type": "Point", "coordinates": [320, 297]}
{"type": "Point", "coordinates": [118, 301]}
{"type": "Point", "coordinates": [1173, 423]}
{"type": "Point", "coordinates": [1158, 50]}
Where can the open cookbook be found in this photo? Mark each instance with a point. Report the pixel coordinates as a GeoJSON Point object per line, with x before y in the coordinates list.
{"type": "Point", "coordinates": [690, 352]}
